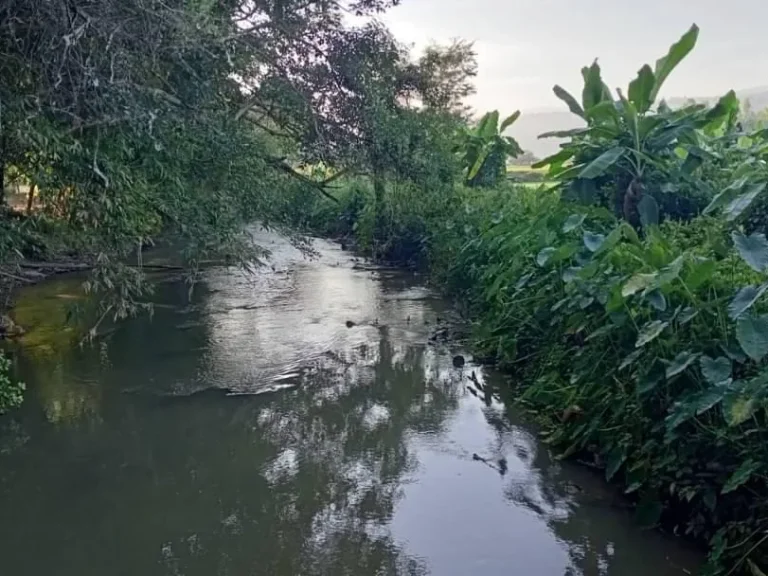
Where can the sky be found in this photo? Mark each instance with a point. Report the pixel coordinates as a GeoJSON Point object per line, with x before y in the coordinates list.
{"type": "Point", "coordinates": [525, 47]}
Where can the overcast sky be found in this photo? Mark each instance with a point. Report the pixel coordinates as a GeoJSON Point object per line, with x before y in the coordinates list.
{"type": "Point", "coordinates": [526, 46]}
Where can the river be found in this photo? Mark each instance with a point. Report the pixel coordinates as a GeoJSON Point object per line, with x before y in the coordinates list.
{"type": "Point", "coordinates": [297, 421]}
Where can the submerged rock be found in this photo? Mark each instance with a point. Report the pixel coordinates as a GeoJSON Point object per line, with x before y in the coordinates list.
{"type": "Point", "coordinates": [458, 361]}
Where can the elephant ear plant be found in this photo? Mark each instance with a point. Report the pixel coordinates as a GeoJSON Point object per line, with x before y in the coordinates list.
{"type": "Point", "coordinates": [632, 146]}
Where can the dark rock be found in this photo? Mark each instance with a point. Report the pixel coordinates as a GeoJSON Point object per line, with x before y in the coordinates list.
{"type": "Point", "coordinates": [350, 324]}
{"type": "Point", "coordinates": [458, 361]}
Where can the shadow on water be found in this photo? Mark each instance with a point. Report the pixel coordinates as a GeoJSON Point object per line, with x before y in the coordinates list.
{"type": "Point", "coordinates": [250, 431]}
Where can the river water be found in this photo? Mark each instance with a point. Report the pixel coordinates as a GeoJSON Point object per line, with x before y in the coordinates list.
{"type": "Point", "coordinates": [249, 431]}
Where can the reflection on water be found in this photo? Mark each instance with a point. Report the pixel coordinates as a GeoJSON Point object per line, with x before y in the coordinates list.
{"type": "Point", "coordinates": [250, 431]}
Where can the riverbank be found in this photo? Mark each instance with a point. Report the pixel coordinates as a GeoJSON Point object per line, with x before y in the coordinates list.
{"type": "Point", "coordinates": [641, 355]}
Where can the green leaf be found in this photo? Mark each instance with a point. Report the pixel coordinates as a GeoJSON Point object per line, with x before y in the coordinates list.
{"type": "Point", "coordinates": [745, 299]}
{"type": "Point", "coordinates": [593, 241]}
{"type": "Point", "coordinates": [488, 126]}
{"type": "Point", "coordinates": [555, 159]}
{"type": "Point", "coordinates": [614, 460]}
{"type": "Point", "coordinates": [738, 205]}
{"type": "Point", "coordinates": [595, 90]}
{"type": "Point", "coordinates": [741, 476]}
{"type": "Point", "coordinates": [726, 196]}
{"type": "Point", "coordinates": [738, 409]}
{"type": "Point", "coordinates": [509, 121]}
{"type": "Point", "coordinates": [566, 97]}
{"type": "Point", "coordinates": [640, 89]}
{"type": "Point", "coordinates": [716, 371]}
{"type": "Point", "coordinates": [753, 249]}
{"type": "Point", "coordinates": [649, 211]}
{"type": "Point", "coordinates": [680, 363]}
{"type": "Point", "coordinates": [573, 221]}
{"type": "Point", "coordinates": [656, 299]}
{"type": "Point", "coordinates": [565, 133]}
{"type": "Point", "coordinates": [600, 164]}
{"type": "Point", "coordinates": [677, 52]}
{"type": "Point", "coordinates": [630, 359]}
{"type": "Point", "coordinates": [544, 256]}
{"type": "Point", "coordinates": [752, 334]}
{"type": "Point", "coordinates": [650, 332]}
{"type": "Point", "coordinates": [637, 283]}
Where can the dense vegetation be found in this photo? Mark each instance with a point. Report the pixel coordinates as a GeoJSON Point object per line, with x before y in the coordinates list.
{"type": "Point", "coordinates": [626, 302]}
{"type": "Point", "coordinates": [626, 299]}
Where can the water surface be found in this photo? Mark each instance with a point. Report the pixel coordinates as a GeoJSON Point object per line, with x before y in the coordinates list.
{"type": "Point", "coordinates": [250, 431]}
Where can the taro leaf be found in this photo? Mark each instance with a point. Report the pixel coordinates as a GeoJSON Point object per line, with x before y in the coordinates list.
{"type": "Point", "coordinates": [680, 363]}
{"type": "Point", "coordinates": [649, 381]}
{"type": "Point", "coordinates": [593, 241]}
{"type": "Point", "coordinates": [753, 248]}
{"type": "Point", "coordinates": [650, 332]}
{"type": "Point", "coordinates": [545, 255]}
{"type": "Point", "coordinates": [657, 300]}
{"type": "Point", "coordinates": [738, 408]}
{"type": "Point", "coordinates": [649, 211]}
{"type": "Point", "coordinates": [752, 334]}
{"type": "Point", "coordinates": [585, 302]}
{"type": "Point", "coordinates": [745, 299]}
{"type": "Point", "coordinates": [602, 163]}
{"type": "Point", "coordinates": [614, 460]}
{"type": "Point", "coordinates": [687, 315]}
{"type": "Point", "coordinates": [523, 281]}
{"type": "Point", "coordinates": [630, 359]}
{"type": "Point", "coordinates": [571, 273]}
{"type": "Point", "coordinates": [716, 371]}
{"type": "Point", "coordinates": [566, 97]}
{"type": "Point", "coordinates": [742, 202]}
{"type": "Point", "coordinates": [648, 512]}
{"type": "Point", "coordinates": [573, 222]}
{"type": "Point", "coordinates": [741, 476]}
{"type": "Point", "coordinates": [734, 352]}
{"type": "Point", "coordinates": [640, 89]}
{"type": "Point", "coordinates": [638, 282]}
{"type": "Point", "coordinates": [694, 405]}
{"type": "Point", "coordinates": [602, 331]}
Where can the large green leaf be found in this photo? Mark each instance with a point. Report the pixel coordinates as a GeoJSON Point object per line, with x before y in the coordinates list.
{"type": "Point", "coordinates": [694, 404]}
{"type": "Point", "coordinates": [573, 221]}
{"type": "Point", "coordinates": [613, 461]}
{"type": "Point", "coordinates": [566, 97]}
{"type": "Point", "coordinates": [649, 211]}
{"type": "Point", "coordinates": [741, 476]}
{"type": "Point", "coordinates": [595, 90]}
{"type": "Point", "coordinates": [508, 121]}
{"type": "Point", "coordinates": [743, 201]}
{"type": "Point", "coordinates": [682, 361]}
{"type": "Point", "coordinates": [640, 89]}
{"type": "Point", "coordinates": [488, 127]}
{"type": "Point", "coordinates": [637, 283]}
{"type": "Point", "coordinates": [677, 52]}
{"type": "Point", "coordinates": [650, 332]}
{"type": "Point", "coordinates": [716, 371]}
{"type": "Point", "coordinates": [593, 241]}
{"type": "Point", "coordinates": [738, 408]}
{"type": "Point", "coordinates": [543, 257]}
{"type": "Point", "coordinates": [556, 159]}
{"type": "Point", "coordinates": [600, 164]}
{"type": "Point", "coordinates": [753, 249]}
{"type": "Point", "coordinates": [752, 334]}
{"type": "Point", "coordinates": [565, 133]}
{"type": "Point", "coordinates": [727, 195]}
{"type": "Point", "coordinates": [745, 299]}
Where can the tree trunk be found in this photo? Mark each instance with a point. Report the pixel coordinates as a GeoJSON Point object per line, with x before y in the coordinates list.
{"type": "Point", "coordinates": [31, 197]}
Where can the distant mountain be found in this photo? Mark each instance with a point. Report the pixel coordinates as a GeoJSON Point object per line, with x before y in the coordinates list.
{"type": "Point", "coordinates": [531, 124]}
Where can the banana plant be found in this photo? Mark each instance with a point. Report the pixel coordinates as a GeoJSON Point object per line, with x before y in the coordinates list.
{"type": "Point", "coordinates": [629, 145]}
{"type": "Point", "coordinates": [484, 149]}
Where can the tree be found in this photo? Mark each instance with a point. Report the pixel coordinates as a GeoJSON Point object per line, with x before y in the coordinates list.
{"type": "Point", "coordinates": [445, 77]}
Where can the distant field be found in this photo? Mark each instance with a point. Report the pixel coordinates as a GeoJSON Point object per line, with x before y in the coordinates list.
{"type": "Point", "coordinates": [525, 169]}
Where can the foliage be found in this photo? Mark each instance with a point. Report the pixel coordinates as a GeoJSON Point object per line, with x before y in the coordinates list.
{"type": "Point", "coordinates": [10, 391]}
{"type": "Point", "coordinates": [484, 150]}
{"type": "Point", "coordinates": [641, 161]}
